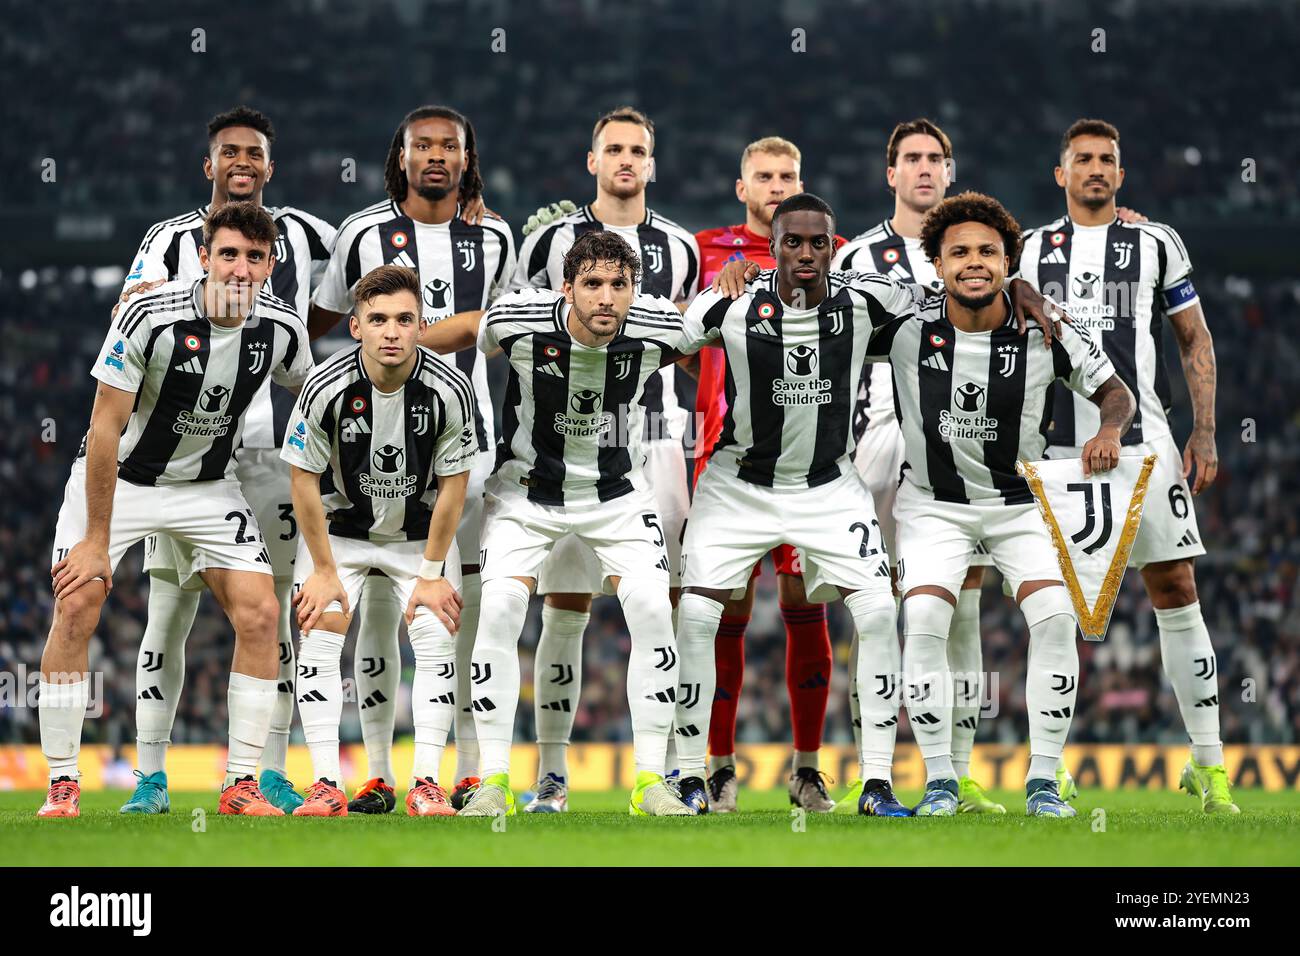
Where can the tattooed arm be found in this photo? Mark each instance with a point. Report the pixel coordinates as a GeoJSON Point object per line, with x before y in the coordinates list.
{"type": "Point", "coordinates": [1197, 350]}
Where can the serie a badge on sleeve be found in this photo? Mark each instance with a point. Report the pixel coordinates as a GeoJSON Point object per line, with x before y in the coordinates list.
{"type": "Point", "coordinates": [1092, 522]}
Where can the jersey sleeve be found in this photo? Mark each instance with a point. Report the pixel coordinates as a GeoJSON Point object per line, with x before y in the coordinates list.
{"type": "Point", "coordinates": [504, 280]}
{"type": "Point", "coordinates": [691, 277]}
{"type": "Point", "coordinates": [1079, 361]}
{"type": "Point", "coordinates": [148, 264]}
{"type": "Point", "coordinates": [845, 257]}
{"type": "Point", "coordinates": [1176, 289]}
{"type": "Point", "coordinates": [321, 238]}
{"type": "Point", "coordinates": [702, 322]}
{"type": "Point", "coordinates": [306, 442]}
{"type": "Point", "coordinates": [122, 359]}
{"type": "Point", "coordinates": [457, 445]}
{"type": "Point", "coordinates": [297, 364]}
{"type": "Point", "coordinates": [531, 270]}
{"type": "Point", "coordinates": [333, 292]}
{"type": "Point", "coordinates": [887, 298]}
{"type": "Point", "coordinates": [496, 322]}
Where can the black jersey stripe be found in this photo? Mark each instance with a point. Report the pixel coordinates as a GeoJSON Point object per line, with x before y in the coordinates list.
{"type": "Point", "coordinates": [835, 333]}
{"type": "Point", "coordinates": [216, 459]}
{"type": "Point", "coordinates": [468, 284]}
{"type": "Point", "coordinates": [1053, 281]}
{"type": "Point", "coordinates": [177, 392]}
{"type": "Point", "coordinates": [765, 361]}
{"type": "Point", "coordinates": [545, 481]}
{"type": "Point", "coordinates": [356, 401]}
{"type": "Point", "coordinates": [624, 359]}
{"type": "Point", "coordinates": [1007, 370]}
{"type": "Point", "coordinates": [1120, 286]}
{"type": "Point", "coordinates": [541, 253]}
{"type": "Point", "coordinates": [935, 401]}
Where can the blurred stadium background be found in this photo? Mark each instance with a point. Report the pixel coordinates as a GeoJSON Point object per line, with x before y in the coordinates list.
{"type": "Point", "coordinates": [115, 95]}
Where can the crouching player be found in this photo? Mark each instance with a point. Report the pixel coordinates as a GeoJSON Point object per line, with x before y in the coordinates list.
{"type": "Point", "coordinates": [381, 444]}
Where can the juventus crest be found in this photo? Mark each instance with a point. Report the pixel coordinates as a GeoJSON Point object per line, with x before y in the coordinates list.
{"type": "Point", "coordinates": [622, 365]}
{"type": "Point", "coordinates": [654, 256]}
{"type": "Point", "coordinates": [468, 250]}
{"type": "Point", "coordinates": [256, 357]}
{"type": "Point", "coordinates": [1008, 355]}
{"type": "Point", "coordinates": [420, 419]}
{"type": "Point", "coordinates": [1123, 254]}
{"type": "Point", "coordinates": [836, 317]}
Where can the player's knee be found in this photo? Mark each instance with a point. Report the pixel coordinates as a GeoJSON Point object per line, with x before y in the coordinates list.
{"type": "Point", "coordinates": [644, 599]}
{"type": "Point", "coordinates": [431, 642]}
{"type": "Point", "coordinates": [579, 603]}
{"type": "Point", "coordinates": [256, 618]}
{"type": "Point", "coordinates": [927, 614]}
{"type": "Point", "coordinates": [1170, 583]}
{"type": "Point", "coordinates": [76, 614]}
{"type": "Point", "coordinates": [1049, 607]}
{"type": "Point", "coordinates": [321, 648]}
{"type": "Point", "coordinates": [875, 616]}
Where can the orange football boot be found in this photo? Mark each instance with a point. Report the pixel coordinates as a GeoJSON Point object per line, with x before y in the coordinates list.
{"type": "Point", "coordinates": [323, 800]}
{"type": "Point", "coordinates": [242, 798]}
{"type": "Point", "coordinates": [63, 799]}
{"type": "Point", "coordinates": [427, 799]}
{"type": "Point", "coordinates": [464, 790]}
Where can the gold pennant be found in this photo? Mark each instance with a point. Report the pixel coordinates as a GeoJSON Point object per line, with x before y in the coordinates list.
{"type": "Point", "coordinates": [1092, 621]}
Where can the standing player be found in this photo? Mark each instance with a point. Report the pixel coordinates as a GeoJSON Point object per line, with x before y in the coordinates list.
{"type": "Point", "coordinates": [918, 169]}
{"type": "Point", "coordinates": [769, 172]}
{"type": "Point", "coordinates": [239, 165]}
{"type": "Point", "coordinates": [621, 160]}
{"type": "Point", "coordinates": [1119, 279]}
{"type": "Point", "coordinates": [391, 427]}
{"type": "Point", "coordinates": [569, 463]}
{"type": "Point", "coordinates": [971, 392]}
{"type": "Point", "coordinates": [431, 174]}
{"type": "Point", "coordinates": [177, 373]}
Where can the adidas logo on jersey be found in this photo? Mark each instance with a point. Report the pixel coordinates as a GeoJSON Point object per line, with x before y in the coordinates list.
{"type": "Point", "coordinates": [193, 366]}
{"type": "Point", "coordinates": [1056, 256]}
{"type": "Point", "coordinates": [403, 259]}
{"type": "Point", "coordinates": [1187, 540]}
{"type": "Point", "coordinates": [898, 272]}
{"type": "Point", "coordinates": [550, 368]}
{"type": "Point", "coordinates": [763, 327]}
{"type": "Point", "coordinates": [935, 361]}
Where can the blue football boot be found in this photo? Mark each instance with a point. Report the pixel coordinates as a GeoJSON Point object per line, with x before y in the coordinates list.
{"type": "Point", "coordinates": [940, 799]}
{"type": "Point", "coordinates": [150, 794]}
{"type": "Point", "coordinates": [878, 800]}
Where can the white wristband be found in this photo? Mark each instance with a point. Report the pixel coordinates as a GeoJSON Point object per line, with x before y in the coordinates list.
{"type": "Point", "coordinates": [431, 569]}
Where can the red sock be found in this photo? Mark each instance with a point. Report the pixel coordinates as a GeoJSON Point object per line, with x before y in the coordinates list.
{"type": "Point", "coordinates": [807, 672]}
{"type": "Point", "coordinates": [729, 656]}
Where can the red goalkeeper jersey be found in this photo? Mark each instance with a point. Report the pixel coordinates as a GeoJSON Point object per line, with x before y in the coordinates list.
{"type": "Point", "coordinates": [717, 248]}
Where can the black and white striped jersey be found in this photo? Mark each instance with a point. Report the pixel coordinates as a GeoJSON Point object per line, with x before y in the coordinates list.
{"type": "Point", "coordinates": [882, 250]}
{"type": "Point", "coordinates": [571, 429]}
{"type": "Point", "coordinates": [194, 380]}
{"type": "Point", "coordinates": [971, 404]}
{"type": "Point", "coordinates": [1118, 281]}
{"type": "Point", "coordinates": [170, 250]}
{"type": "Point", "coordinates": [462, 268]}
{"type": "Point", "coordinates": [670, 267]}
{"type": "Point", "coordinates": [792, 374]}
{"type": "Point", "coordinates": [379, 454]}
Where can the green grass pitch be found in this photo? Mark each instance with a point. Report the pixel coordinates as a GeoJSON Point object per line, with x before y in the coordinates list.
{"type": "Point", "coordinates": [1139, 827]}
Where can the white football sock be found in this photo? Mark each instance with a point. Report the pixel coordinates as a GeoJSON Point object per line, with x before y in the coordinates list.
{"type": "Point", "coordinates": [249, 702]}
{"type": "Point", "coordinates": [1051, 678]}
{"type": "Point", "coordinates": [160, 669]}
{"type": "Point", "coordinates": [320, 700]}
{"type": "Point", "coordinates": [433, 692]}
{"type": "Point", "coordinates": [494, 671]}
{"type": "Point", "coordinates": [62, 711]}
{"type": "Point", "coordinates": [928, 682]}
{"type": "Point", "coordinates": [1192, 669]}
{"type": "Point", "coordinates": [276, 754]}
{"type": "Point", "coordinates": [697, 630]}
{"type": "Point", "coordinates": [471, 590]}
{"type": "Point", "coordinates": [878, 663]}
{"type": "Point", "coordinates": [670, 755]}
{"type": "Point", "coordinates": [652, 669]}
{"type": "Point", "coordinates": [966, 660]}
{"type": "Point", "coordinates": [557, 682]}
{"type": "Point", "coordinates": [377, 670]}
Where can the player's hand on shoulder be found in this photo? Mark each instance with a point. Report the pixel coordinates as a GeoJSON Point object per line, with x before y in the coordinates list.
{"type": "Point", "coordinates": [439, 597]}
{"type": "Point", "coordinates": [474, 212]}
{"type": "Point", "coordinates": [1101, 453]}
{"type": "Point", "coordinates": [321, 588]}
{"type": "Point", "coordinates": [85, 562]}
{"type": "Point", "coordinates": [1028, 303]}
{"type": "Point", "coordinates": [731, 278]}
{"type": "Point", "coordinates": [546, 215]}
{"type": "Point", "coordinates": [1130, 215]}
{"type": "Point", "coordinates": [135, 290]}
